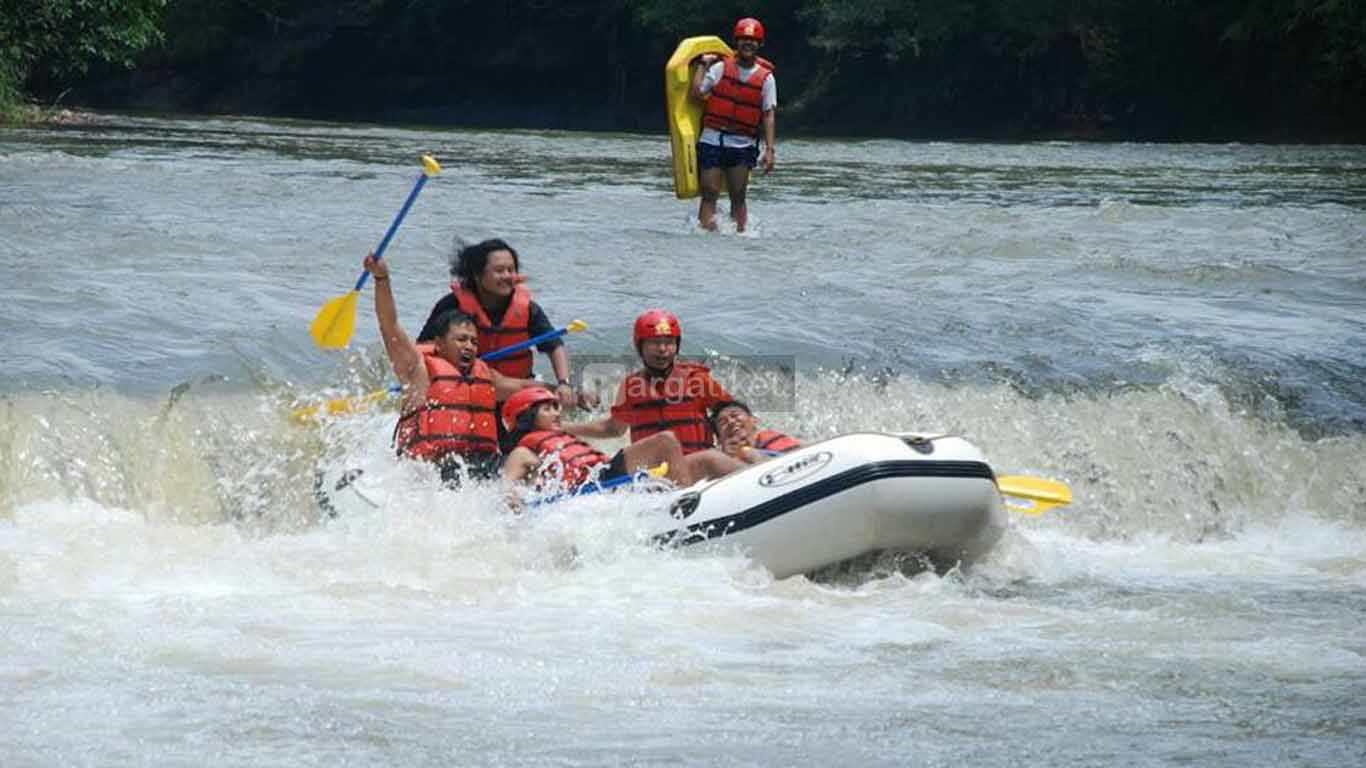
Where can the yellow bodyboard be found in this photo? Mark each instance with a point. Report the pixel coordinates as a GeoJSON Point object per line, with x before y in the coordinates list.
{"type": "Point", "coordinates": [685, 114]}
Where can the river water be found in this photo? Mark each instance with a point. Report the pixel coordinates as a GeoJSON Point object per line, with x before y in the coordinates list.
{"type": "Point", "coordinates": [1177, 331]}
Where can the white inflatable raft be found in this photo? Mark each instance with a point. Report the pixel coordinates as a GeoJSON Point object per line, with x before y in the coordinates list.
{"type": "Point", "coordinates": [821, 505]}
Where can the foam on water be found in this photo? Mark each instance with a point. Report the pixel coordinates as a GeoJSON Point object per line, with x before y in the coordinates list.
{"type": "Point", "coordinates": [1176, 460]}
{"type": "Point", "coordinates": [1175, 331]}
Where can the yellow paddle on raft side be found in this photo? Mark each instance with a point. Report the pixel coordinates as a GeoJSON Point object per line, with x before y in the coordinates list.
{"type": "Point", "coordinates": [343, 405]}
{"type": "Point", "coordinates": [1039, 495]}
{"type": "Point", "coordinates": [335, 323]}
{"type": "Point", "coordinates": [1036, 494]}
{"type": "Point", "coordinates": [657, 471]}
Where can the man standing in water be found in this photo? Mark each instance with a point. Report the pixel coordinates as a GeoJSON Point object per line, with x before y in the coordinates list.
{"type": "Point", "coordinates": [740, 96]}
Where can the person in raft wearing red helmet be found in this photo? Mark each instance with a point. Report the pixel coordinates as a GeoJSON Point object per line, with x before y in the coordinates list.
{"type": "Point", "coordinates": [487, 285]}
{"type": "Point", "coordinates": [449, 413]}
{"type": "Point", "coordinates": [739, 435]}
{"type": "Point", "coordinates": [665, 395]}
{"type": "Point", "coordinates": [547, 454]}
{"type": "Point", "coordinates": [740, 97]}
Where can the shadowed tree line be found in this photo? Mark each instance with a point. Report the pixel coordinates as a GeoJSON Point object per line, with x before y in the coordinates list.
{"type": "Point", "coordinates": [1162, 69]}
{"type": "Point", "coordinates": [47, 44]}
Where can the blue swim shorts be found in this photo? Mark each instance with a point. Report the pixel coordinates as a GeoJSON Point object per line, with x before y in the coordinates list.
{"type": "Point", "coordinates": [716, 156]}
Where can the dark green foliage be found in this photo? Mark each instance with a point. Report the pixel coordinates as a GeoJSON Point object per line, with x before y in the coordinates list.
{"type": "Point", "coordinates": [1199, 69]}
{"type": "Point", "coordinates": [1154, 68]}
{"type": "Point", "coordinates": [55, 41]}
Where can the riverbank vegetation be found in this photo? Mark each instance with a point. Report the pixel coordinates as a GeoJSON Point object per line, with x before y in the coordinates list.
{"type": "Point", "coordinates": [46, 46]}
{"type": "Point", "coordinates": [1151, 69]}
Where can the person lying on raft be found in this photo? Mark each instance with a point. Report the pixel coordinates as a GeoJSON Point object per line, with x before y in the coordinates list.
{"type": "Point", "coordinates": [449, 413]}
{"type": "Point", "coordinates": [665, 395]}
{"type": "Point", "coordinates": [486, 284]}
{"type": "Point", "coordinates": [546, 454]}
{"type": "Point", "coordinates": [739, 435]}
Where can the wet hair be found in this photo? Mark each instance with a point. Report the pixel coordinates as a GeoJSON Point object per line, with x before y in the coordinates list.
{"type": "Point", "coordinates": [468, 261]}
{"type": "Point", "coordinates": [450, 317]}
{"type": "Point", "coordinates": [721, 406]}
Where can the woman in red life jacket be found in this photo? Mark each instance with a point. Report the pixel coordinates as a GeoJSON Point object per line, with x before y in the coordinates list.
{"type": "Point", "coordinates": [740, 97]}
{"type": "Point", "coordinates": [739, 435]}
{"type": "Point", "coordinates": [487, 286]}
{"type": "Point", "coordinates": [547, 454]}
{"type": "Point", "coordinates": [449, 413]}
{"type": "Point", "coordinates": [665, 395]}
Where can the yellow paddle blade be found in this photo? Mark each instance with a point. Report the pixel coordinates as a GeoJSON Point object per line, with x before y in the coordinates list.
{"type": "Point", "coordinates": [659, 470]}
{"type": "Point", "coordinates": [337, 406]}
{"type": "Point", "coordinates": [1031, 508]}
{"type": "Point", "coordinates": [336, 322]}
{"type": "Point", "coordinates": [576, 325]}
{"type": "Point", "coordinates": [1039, 495]}
{"type": "Point", "coordinates": [305, 415]}
{"type": "Point", "coordinates": [430, 166]}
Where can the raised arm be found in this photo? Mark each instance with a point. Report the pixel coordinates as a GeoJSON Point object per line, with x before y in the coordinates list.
{"type": "Point", "coordinates": [700, 89]}
{"type": "Point", "coordinates": [402, 352]}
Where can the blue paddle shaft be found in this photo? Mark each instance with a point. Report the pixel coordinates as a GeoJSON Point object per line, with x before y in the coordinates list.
{"type": "Point", "coordinates": [605, 485]}
{"type": "Point", "coordinates": [590, 488]}
{"type": "Point", "coordinates": [379, 252]}
{"type": "Point", "coordinates": [499, 354]}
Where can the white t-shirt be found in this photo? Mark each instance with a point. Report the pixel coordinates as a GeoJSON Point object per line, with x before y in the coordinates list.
{"type": "Point", "coordinates": [769, 95]}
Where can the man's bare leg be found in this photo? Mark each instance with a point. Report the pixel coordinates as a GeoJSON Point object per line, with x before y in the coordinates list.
{"type": "Point", "coordinates": [709, 181]}
{"type": "Point", "coordinates": [683, 470]}
{"type": "Point", "coordinates": [737, 181]}
{"type": "Point", "coordinates": [656, 449]}
{"type": "Point", "coordinates": [710, 464]}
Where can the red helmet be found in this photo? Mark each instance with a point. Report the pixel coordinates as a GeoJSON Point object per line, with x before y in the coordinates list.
{"type": "Point", "coordinates": [522, 400]}
{"type": "Point", "coordinates": [749, 27]}
{"type": "Point", "coordinates": [654, 323]}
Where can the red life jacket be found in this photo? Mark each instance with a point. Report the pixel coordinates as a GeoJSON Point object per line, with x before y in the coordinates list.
{"type": "Point", "coordinates": [575, 457]}
{"type": "Point", "coordinates": [459, 416]}
{"type": "Point", "coordinates": [677, 403]}
{"type": "Point", "coordinates": [773, 440]}
{"type": "Point", "coordinates": [516, 326]}
{"type": "Point", "coordinates": [735, 105]}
